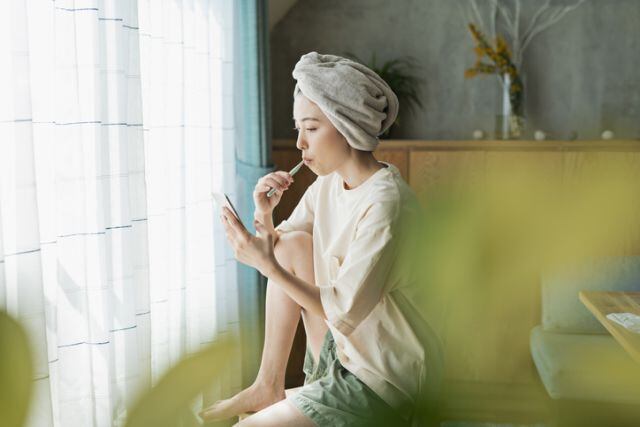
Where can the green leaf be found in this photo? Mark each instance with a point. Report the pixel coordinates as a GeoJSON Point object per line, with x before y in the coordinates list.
{"type": "Point", "coordinates": [168, 402]}
{"type": "Point", "coordinates": [16, 372]}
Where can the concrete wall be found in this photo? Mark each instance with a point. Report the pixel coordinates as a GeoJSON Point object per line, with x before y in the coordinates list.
{"type": "Point", "coordinates": [582, 74]}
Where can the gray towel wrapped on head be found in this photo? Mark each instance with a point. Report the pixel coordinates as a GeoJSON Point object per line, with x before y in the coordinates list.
{"type": "Point", "coordinates": [353, 97]}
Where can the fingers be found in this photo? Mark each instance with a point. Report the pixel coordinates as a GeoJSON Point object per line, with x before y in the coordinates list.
{"type": "Point", "coordinates": [281, 177]}
{"type": "Point", "coordinates": [277, 184]}
{"type": "Point", "coordinates": [264, 192]}
{"type": "Point", "coordinates": [239, 233]}
{"type": "Point", "coordinates": [285, 175]}
{"type": "Point", "coordinates": [280, 180]}
{"type": "Point", "coordinates": [269, 183]}
{"type": "Point", "coordinates": [275, 177]}
{"type": "Point", "coordinates": [229, 233]}
{"type": "Point", "coordinates": [263, 188]}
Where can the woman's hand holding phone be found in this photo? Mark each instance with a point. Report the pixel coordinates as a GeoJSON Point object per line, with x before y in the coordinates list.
{"type": "Point", "coordinates": [256, 251]}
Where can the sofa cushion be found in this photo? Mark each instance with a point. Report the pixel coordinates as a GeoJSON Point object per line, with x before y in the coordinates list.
{"type": "Point", "coordinates": [562, 311]}
{"type": "Point", "coordinates": [585, 367]}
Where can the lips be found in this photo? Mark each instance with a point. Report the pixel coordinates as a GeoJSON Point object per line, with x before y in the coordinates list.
{"type": "Point", "coordinates": [307, 160]}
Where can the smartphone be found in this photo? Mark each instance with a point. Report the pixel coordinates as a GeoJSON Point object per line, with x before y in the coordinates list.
{"type": "Point", "coordinates": [223, 200]}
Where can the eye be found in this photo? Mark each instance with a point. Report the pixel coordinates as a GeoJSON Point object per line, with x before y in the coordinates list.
{"type": "Point", "coordinates": [311, 129]}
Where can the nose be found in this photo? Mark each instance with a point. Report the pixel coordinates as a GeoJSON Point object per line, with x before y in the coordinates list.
{"type": "Point", "coordinates": [300, 142]}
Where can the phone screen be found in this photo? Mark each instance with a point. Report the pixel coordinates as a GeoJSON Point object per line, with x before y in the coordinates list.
{"type": "Point", "coordinates": [223, 200]}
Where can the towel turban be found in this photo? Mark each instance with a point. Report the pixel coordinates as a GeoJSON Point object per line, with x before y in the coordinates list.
{"type": "Point", "coordinates": [354, 98]}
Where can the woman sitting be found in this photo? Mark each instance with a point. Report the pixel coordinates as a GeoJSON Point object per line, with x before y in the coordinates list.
{"type": "Point", "coordinates": [339, 261]}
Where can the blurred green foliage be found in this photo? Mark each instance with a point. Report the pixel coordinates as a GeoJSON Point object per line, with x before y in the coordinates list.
{"type": "Point", "coordinates": [16, 372]}
{"type": "Point", "coordinates": [484, 241]}
{"type": "Point", "coordinates": [167, 404]}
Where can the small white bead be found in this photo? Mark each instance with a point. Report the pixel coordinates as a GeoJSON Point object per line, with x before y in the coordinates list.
{"type": "Point", "coordinates": [607, 134]}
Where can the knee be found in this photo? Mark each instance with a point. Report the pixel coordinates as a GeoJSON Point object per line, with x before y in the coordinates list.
{"type": "Point", "coordinates": [291, 245]}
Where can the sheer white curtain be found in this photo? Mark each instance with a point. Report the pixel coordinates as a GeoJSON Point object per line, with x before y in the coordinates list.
{"type": "Point", "coordinates": [186, 63]}
{"type": "Point", "coordinates": [115, 125]}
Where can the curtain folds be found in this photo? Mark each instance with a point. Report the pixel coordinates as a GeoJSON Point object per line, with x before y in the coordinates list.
{"type": "Point", "coordinates": [116, 123]}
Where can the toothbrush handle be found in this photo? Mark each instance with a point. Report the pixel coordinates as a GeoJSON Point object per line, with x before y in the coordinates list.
{"type": "Point", "coordinates": [292, 172]}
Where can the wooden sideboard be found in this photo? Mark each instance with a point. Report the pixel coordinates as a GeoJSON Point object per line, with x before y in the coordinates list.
{"type": "Point", "coordinates": [503, 384]}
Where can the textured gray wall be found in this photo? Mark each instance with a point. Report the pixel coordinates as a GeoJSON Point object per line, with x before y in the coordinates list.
{"type": "Point", "coordinates": [582, 74]}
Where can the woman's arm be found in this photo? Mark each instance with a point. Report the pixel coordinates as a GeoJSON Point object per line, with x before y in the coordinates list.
{"type": "Point", "coordinates": [267, 221]}
{"type": "Point", "coordinates": [257, 251]}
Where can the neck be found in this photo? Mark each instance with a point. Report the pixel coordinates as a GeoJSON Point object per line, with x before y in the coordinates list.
{"type": "Point", "coordinates": [360, 166]}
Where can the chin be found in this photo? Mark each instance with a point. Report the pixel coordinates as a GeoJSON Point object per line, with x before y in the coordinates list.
{"type": "Point", "coordinates": [319, 171]}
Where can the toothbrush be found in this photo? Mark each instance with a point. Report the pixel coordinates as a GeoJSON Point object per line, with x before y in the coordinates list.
{"type": "Point", "coordinates": [291, 172]}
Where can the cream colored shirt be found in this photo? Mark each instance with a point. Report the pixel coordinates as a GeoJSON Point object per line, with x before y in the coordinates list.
{"type": "Point", "coordinates": [364, 278]}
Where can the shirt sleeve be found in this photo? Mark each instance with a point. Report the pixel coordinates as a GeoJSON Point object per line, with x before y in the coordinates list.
{"type": "Point", "coordinates": [301, 219]}
{"type": "Point", "coordinates": [361, 279]}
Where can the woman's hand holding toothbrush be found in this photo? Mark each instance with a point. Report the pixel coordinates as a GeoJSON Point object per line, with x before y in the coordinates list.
{"type": "Point", "coordinates": [269, 189]}
{"type": "Point", "coordinates": [267, 194]}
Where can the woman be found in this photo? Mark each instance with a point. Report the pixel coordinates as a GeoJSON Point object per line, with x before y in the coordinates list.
{"type": "Point", "coordinates": [336, 260]}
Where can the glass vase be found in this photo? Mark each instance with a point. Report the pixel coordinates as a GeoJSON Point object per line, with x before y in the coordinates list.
{"type": "Point", "coordinates": [510, 120]}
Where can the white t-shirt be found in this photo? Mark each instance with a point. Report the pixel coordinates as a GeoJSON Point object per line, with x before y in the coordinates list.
{"type": "Point", "coordinates": [365, 283]}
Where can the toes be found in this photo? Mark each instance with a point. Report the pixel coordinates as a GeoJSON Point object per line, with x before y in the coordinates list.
{"type": "Point", "coordinates": [209, 412]}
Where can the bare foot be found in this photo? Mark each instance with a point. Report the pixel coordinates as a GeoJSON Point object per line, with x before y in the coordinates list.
{"type": "Point", "coordinates": [251, 399]}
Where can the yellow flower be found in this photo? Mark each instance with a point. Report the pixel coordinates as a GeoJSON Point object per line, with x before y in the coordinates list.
{"type": "Point", "coordinates": [500, 56]}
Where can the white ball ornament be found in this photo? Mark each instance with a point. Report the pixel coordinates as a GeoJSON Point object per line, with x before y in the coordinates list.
{"type": "Point", "coordinates": [607, 134]}
{"type": "Point", "coordinates": [478, 134]}
{"type": "Point", "coordinates": [539, 135]}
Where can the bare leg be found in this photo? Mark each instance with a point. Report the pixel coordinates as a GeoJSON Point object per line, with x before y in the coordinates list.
{"type": "Point", "coordinates": [282, 315]}
{"type": "Point", "coordinates": [281, 414]}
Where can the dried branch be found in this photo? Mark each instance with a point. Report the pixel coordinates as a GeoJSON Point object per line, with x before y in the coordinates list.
{"type": "Point", "coordinates": [506, 16]}
{"type": "Point", "coordinates": [555, 15]}
{"type": "Point", "coordinates": [516, 39]}
{"type": "Point", "coordinates": [536, 17]}
{"type": "Point", "coordinates": [476, 12]}
{"type": "Point", "coordinates": [546, 16]}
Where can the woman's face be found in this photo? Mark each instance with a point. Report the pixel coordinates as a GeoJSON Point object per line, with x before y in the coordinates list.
{"type": "Point", "coordinates": [318, 139]}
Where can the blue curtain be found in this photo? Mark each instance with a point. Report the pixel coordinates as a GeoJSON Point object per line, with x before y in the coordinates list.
{"type": "Point", "coordinates": [253, 160]}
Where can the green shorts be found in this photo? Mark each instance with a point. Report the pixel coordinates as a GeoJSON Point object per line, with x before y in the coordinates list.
{"type": "Point", "coordinates": [333, 396]}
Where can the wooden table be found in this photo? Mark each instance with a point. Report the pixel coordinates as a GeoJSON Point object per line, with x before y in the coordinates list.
{"type": "Point", "coordinates": [603, 303]}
